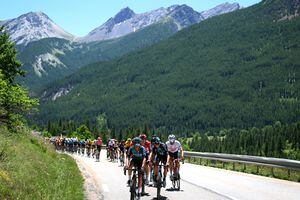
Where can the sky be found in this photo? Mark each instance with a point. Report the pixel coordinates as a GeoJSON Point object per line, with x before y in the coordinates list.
{"type": "Point", "coordinates": [79, 17]}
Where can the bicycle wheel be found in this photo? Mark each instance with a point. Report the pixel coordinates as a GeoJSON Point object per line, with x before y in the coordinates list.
{"type": "Point", "coordinates": [158, 185]}
{"type": "Point", "coordinates": [178, 184]}
{"type": "Point", "coordinates": [174, 183]}
{"type": "Point", "coordinates": [112, 156]}
{"type": "Point", "coordinates": [133, 188]}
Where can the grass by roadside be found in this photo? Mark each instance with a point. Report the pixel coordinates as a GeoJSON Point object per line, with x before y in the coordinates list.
{"type": "Point", "coordinates": [250, 169]}
{"type": "Point", "coordinates": [30, 169]}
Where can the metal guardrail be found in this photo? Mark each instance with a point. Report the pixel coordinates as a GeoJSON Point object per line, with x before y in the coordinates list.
{"type": "Point", "coordinates": [256, 160]}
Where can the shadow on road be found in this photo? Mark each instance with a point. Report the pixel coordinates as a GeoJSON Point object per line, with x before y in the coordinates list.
{"type": "Point", "coordinates": [173, 190]}
{"type": "Point", "coordinates": [160, 198]}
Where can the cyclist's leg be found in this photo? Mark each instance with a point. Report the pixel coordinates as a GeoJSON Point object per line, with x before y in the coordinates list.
{"type": "Point", "coordinates": [165, 167]}
{"type": "Point", "coordinates": [155, 168]}
{"type": "Point", "coordinates": [177, 164]}
{"type": "Point", "coordinates": [171, 167]}
{"type": "Point", "coordinates": [139, 164]}
{"type": "Point", "coordinates": [130, 171]}
{"type": "Point", "coordinates": [147, 169]}
{"type": "Point", "coordinates": [164, 161]}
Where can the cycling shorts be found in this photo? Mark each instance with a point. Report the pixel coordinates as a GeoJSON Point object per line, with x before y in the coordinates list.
{"type": "Point", "coordinates": [174, 155]}
{"type": "Point", "coordinates": [98, 148]}
{"type": "Point", "coordinates": [162, 159]}
{"type": "Point", "coordinates": [136, 162]}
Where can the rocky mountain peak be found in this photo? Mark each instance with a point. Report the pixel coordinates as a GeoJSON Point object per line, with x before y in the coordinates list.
{"type": "Point", "coordinates": [220, 9]}
{"type": "Point", "coordinates": [34, 26]}
{"type": "Point", "coordinates": [124, 14]}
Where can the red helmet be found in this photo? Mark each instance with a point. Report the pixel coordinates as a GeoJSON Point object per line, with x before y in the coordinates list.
{"type": "Point", "coordinates": [143, 136]}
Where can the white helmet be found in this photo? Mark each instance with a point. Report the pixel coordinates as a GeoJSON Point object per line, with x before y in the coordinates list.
{"type": "Point", "coordinates": [172, 138]}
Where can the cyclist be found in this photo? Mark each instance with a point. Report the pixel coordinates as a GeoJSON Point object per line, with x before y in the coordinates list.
{"type": "Point", "coordinates": [122, 151]}
{"type": "Point", "coordinates": [116, 146]}
{"type": "Point", "coordinates": [98, 148]}
{"type": "Point", "coordinates": [154, 137]}
{"type": "Point", "coordinates": [137, 158]}
{"type": "Point", "coordinates": [82, 146]}
{"type": "Point", "coordinates": [111, 146]}
{"type": "Point", "coordinates": [94, 147]}
{"type": "Point", "coordinates": [147, 145]}
{"type": "Point", "coordinates": [174, 149]}
{"type": "Point", "coordinates": [128, 144]}
{"type": "Point", "coordinates": [159, 154]}
{"type": "Point", "coordinates": [88, 144]}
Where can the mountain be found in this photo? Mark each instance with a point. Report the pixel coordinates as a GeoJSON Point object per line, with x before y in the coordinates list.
{"type": "Point", "coordinates": [33, 26]}
{"type": "Point", "coordinates": [220, 9]}
{"type": "Point", "coordinates": [235, 70]}
{"type": "Point", "coordinates": [126, 21]}
{"type": "Point", "coordinates": [50, 59]}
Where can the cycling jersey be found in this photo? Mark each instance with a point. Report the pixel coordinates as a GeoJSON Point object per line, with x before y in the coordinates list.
{"type": "Point", "coordinates": [140, 155]}
{"type": "Point", "coordinates": [111, 143]}
{"type": "Point", "coordinates": [173, 148]}
{"type": "Point", "coordinates": [147, 146]}
{"type": "Point", "coordinates": [99, 142]}
{"type": "Point", "coordinates": [122, 147]}
{"type": "Point", "coordinates": [98, 145]}
{"type": "Point", "coordinates": [161, 150]}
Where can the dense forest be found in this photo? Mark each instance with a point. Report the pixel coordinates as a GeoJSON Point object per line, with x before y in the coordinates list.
{"type": "Point", "coordinates": [277, 140]}
{"type": "Point", "coordinates": [236, 70]}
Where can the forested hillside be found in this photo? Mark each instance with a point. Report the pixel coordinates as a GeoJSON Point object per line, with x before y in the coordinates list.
{"type": "Point", "coordinates": [50, 59]}
{"type": "Point", "coordinates": [236, 70]}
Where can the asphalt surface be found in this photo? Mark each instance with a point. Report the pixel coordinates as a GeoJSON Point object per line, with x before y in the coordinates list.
{"type": "Point", "coordinates": [105, 180]}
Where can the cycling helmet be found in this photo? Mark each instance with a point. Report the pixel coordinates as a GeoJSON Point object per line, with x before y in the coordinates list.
{"type": "Point", "coordinates": [128, 139]}
{"type": "Point", "coordinates": [136, 140]}
{"type": "Point", "coordinates": [143, 136]}
{"type": "Point", "coordinates": [156, 140]}
{"type": "Point", "coordinates": [172, 138]}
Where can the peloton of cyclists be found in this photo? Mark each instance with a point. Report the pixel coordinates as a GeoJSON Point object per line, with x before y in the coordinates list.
{"type": "Point", "coordinates": [157, 152]}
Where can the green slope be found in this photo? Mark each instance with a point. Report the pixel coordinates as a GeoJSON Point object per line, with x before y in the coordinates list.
{"type": "Point", "coordinates": [29, 169]}
{"type": "Point", "coordinates": [75, 55]}
{"type": "Point", "coordinates": [235, 70]}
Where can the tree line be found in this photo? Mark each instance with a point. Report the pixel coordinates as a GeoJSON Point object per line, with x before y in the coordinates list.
{"type": "Point", "coordinates": [279, 140]}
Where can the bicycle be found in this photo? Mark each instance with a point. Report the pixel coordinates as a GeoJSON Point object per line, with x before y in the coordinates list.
{"type": "Point", "coordinates": [88, 151]}
{"type": "Point", "coordinates": [159, 181]}
{"type": "Point", "coordinates": [175, 178]}
{"type": "Point", "coordinates": [112, 155]}
{"type": "Point", "coordinates": [98, 151]}
{"type": "Point", "coordinates": [122, 158]}
{"type": "Point", "coordinates": [134, 183]}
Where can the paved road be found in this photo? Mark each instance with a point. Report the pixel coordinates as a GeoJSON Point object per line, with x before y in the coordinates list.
{"type": "Point", "coordinates": [105, 180]}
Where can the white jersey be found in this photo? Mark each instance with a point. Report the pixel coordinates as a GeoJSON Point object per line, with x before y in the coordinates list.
{"type": "Point", "coordinates": [111, 143]}
{"type": "Point", "coordinates": [173, 147]}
